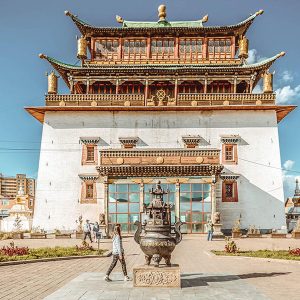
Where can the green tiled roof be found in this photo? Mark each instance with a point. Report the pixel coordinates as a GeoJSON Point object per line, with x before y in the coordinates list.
{"type": "Point", "coordinates": [162, 26]}
{"type": "Point", "coordinates": [188, 24]}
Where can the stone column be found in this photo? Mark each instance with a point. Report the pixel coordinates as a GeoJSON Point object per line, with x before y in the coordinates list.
{"type": "Point", "coordinates": [146, 91]}
{"type": "Point", "coordinates": [234, 84]}
{"type": "Point", "coordinates": [177, 201]}
{"type": "Point", "coordinates": [176, 90]}
{"type": "Point", "coordinates": [105, 182]}
{"type": "Point", "coordinates": [205, 84]}
{"type": "Point", "coordinates": [142, 196]}
{"type": "Point", "coordinates": [87, 86]}
{"type": "Point", "coordinates": [213, 198]}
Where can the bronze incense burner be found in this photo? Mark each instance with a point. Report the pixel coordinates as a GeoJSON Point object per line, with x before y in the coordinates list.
{"type": "Point", "coordinates": [156, 236]}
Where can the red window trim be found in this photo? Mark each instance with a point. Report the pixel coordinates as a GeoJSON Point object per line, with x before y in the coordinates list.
{"type": "Point", "coordinates": [235, 155]}
{"type": "Point", "coordinates": [235, 191]}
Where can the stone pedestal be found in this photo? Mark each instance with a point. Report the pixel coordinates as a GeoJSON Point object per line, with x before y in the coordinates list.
{"type": "Point", "coordinates": [218, 234]}
{"type": "Point", "coordinates": [150, 276]}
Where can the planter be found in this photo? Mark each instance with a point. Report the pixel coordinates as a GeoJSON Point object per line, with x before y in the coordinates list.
{"type": "Point", "coordinates": [236, 235]}
{"type": "Point", "coordinates": [18, 235]}
{"type": "Point", "coordinates": [79, 235]}
{"type": "Point", "coordinates": [38, 235]}
{"type": "Point", "coordinates": [278, 235]}
{"type": "Point", "coordinates": [62, 235]}
{"type": "Point", "coordinates": [296, 234]}
{"type": "Point", "coordinates": [254, 235]}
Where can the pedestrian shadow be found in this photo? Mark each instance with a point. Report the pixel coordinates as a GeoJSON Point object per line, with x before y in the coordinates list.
{"type": "Point", "coordinates": [199, 279]}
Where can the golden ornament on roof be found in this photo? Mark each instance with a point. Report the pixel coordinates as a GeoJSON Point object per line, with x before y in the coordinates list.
{"type": "Point", "coordinates": [244, 46]}
{"type": "Point", "coordinates": [82, 48]}
{"type": "Point", "coordinates": [162, 12]}
{"type": "Point", "coordinates": [52, 83]}
{"type": "Point", "coordinates": [268, 82]}
{"type": "Point", "coordinates": [119, 19]}
{"type": "Point", "coordinates": [204, 19]}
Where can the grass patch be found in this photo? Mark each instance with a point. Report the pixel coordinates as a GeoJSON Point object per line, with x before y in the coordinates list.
{"type": "Point", "coordinates": [278, 254]}
{"type": "Point", "coordinates": [50, 253]}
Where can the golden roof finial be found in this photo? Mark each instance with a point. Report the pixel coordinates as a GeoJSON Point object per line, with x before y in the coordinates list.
{"type": "Point", "coordinates": [42, 56]}
{"type": "Point", "coordinates": [282, 53]}
{"type": "Point", "coordinates": [204, 19]}
{"type": "Point", "coordinates": [260, 12]}
{"type": "Point", "coordinates": [162, 12]}
{"type": "Point", "coordinates": [119, 19]}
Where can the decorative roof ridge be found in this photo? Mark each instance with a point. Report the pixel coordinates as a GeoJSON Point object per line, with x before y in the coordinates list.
{"type": "Point", "coordinates": [82, 25]}
{"type": "Point", "coordinates": [56, 63]}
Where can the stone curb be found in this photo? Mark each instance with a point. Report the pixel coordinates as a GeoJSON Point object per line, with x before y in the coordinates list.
{"type": "Point", "coordinates": [29, 261]}
{"type": "Point", "coordinates": [286, 261]}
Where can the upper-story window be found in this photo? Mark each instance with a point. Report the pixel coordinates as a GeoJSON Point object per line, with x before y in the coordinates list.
{"type": "Point", "coordinates": [134, 48]}
{"type": "Point", "coordinates": [162, 48]}
{"type": "Point", "coordinates": [219, 87]}
{"type": "Point", "coordinates": [190, 48]}
{"type": "Point", "coordinates": [131, 87]}
{"type": "Point", "coordinates": [219, 48]}
{"type": "Point", "coordinates": [100, 87]}
{"type": "Point", "coordinates": [106, 49]}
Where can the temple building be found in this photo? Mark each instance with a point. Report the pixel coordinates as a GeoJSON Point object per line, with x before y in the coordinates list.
{"type": "Point", "coordinates": [292, 208]}
{"type": "Point", "coordinates": [160, 101]}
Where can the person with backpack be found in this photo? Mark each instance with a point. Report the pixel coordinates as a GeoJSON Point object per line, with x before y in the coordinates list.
{"type": "Point", "coordinates": [96, 231]}
{"type": "Point", "coordinates": [118, 253]}
{"type": "Point", "coordinates": [87, 231]}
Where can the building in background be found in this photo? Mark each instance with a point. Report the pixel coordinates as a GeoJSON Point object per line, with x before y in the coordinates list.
{"type": "Point", "coordinates": [9, 187]}
{"type": "Point", "coordinates": [292, 208]}
{"type": "Point", "coordinates": [161, 101]}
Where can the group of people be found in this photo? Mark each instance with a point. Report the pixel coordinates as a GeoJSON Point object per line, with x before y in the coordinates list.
{"type": "Point", "coordinates": [91, 228]}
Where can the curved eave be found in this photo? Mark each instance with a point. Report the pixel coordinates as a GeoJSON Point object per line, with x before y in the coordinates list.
{"type": "Point", "coordinates": [281, 110]}
{"type": "Point", "coordinates": [89, 30]}
{"type": "Point", "coordinates": [65, 69]}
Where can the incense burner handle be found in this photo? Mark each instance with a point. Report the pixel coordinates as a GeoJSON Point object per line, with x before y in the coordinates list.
{"type": "Point", "coordinates": [137, 234]}
{"type": "Point", "coordinates": [178, 236]}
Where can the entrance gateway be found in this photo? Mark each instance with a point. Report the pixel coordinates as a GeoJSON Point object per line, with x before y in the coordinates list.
{"type": "Point", "coordinates": [190, 199]}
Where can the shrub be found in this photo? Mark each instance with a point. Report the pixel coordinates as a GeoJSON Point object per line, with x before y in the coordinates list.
{"type": "Point", "coordinates": [84, 246]}
{"type": "Point", "coordinates": [231, 246]}
{"type": "Point", "coordinates": [295, 252]}
{"type": "Point", "coordinates": [13, 250]}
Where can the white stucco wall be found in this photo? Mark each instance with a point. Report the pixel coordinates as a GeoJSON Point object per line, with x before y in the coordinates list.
{"type": "Point", "coordinates": [260, 184]}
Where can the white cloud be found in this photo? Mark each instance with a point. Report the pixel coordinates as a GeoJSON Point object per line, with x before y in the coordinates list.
{"type": "Point", "coordinates": [287, 76]}
{"type": "Point", "coordinates": [254, 57]}
{"type": "Point", "coordinates": [287, 94]}
{"type": "Point", "coordinates": [288, 165]}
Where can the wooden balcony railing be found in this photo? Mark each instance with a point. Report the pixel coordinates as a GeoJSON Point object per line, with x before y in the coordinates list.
{"type": "Point", "coordinates": [95, 100]}
{"type": "Point", "coordinates": [139, 99]}
{"type": "Point", "coordinates": [219, 99]}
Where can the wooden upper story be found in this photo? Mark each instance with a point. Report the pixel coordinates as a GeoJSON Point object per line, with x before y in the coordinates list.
{"type": "Point", "coordinates": [162, 41]}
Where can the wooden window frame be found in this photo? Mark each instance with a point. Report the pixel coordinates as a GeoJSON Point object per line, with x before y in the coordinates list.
{"type": "Point", "coordinates": [234, 189]}
{"type": "Point", "coordinates": [218, 54]}
{"type": "Point", "coordinates": [112, 55]}
{"type": "Point", "coordinates": [88, 200]}
{"type": "Point", "coordinates": [132, 54]}
{"type": "Point", "coordinates": [234, 161]}
{"type": "Point", "coordinates": [191, 55]}
{"type": "Point", "coordinates": [84, 160]}
{"type": "Point", "coordinates": [165, 50]}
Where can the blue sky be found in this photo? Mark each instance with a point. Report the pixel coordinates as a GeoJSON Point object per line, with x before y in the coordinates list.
{"type": "Point", "coordinates": [30, 27]}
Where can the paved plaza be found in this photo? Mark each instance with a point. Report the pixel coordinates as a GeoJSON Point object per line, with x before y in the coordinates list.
{"type": "Point", "coordinates": [204, 275]}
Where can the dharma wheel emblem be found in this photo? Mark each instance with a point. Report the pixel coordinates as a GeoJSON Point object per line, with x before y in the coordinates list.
{"type": "Point", "coordinates": [160, 94]}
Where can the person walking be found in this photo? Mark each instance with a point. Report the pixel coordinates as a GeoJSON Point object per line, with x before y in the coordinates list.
{"type": "Point", "coordinates": [210, 230]}
{"type": "Point", "coordinates": [96, 233]}
{"type": "Point", "coordinates": [87, 231]}
{"type": "Point", "coordinates": [118, 253]}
